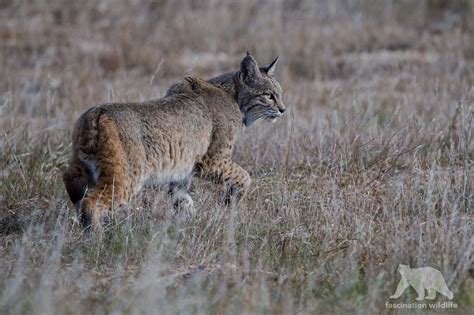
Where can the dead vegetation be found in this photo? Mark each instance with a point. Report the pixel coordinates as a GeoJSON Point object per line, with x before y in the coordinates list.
{"type": "Point", "coordinates": [371, 168]}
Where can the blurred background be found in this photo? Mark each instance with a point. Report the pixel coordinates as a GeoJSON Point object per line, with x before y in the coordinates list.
{"type": "Point", "coordinates": [370, 167]}
{"type": "Point", "coordinates": [91, 48]}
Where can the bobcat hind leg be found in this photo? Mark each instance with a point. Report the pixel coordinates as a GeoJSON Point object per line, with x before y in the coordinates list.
{"type": "Point", "coordinates": [111, 188]}
{"type": "Point", "coordinates": [76, 179]}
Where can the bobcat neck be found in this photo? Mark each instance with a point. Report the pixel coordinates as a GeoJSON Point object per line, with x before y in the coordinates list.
{"type": "Point", "coordinates": [227, 82]}
{"type": "Point", "coordinates": [118, 148]}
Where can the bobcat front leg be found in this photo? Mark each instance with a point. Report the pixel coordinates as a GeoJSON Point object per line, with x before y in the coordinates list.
{"type": "Point", "coordinates": [222, 169]}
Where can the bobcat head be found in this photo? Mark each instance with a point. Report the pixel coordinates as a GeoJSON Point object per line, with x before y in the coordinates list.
{"type": "Point", "coordinates": [259, 93]}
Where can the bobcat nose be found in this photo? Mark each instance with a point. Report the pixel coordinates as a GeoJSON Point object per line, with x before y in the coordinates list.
{"type": "Point", "coordinates": [281, 110]}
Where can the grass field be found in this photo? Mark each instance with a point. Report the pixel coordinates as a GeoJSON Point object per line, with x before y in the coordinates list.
{"type": "Point", "coordinates": [370, 167]}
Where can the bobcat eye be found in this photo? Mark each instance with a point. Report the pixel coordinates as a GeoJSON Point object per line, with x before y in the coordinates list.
{"type": "Point", "coordinates": [268, 96]}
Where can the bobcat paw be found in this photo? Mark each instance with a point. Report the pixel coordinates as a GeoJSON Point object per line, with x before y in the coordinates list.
{"type": "Point", "coordinates": [90, 221]}
{"type": "Point", "coordinates": [230, 196]}
{"type": "Point", "coordinates": [183, 204]}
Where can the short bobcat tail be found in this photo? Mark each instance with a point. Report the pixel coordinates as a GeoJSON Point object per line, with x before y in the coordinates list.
{"type": "Point", "coordinates": [77, 177]}
{"type": "Point", "coordinates": [86, 131]}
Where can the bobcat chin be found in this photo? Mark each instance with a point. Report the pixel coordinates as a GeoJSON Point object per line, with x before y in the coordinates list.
{"type": "Point", "coordinates": [119, 148]}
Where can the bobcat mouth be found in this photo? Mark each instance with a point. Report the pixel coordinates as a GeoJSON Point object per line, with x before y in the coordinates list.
{"type": "Point", "coordinates": [262, 114]}
{"type": "Point", "coordinates": [273, 115]}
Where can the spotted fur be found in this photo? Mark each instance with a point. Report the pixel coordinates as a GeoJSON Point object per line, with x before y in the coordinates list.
{"type": "Point", "coordinates": [118, 148]}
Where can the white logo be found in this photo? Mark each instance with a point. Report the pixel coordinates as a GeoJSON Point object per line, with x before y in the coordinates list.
{"type": "Point", "coordinates": [422, 279]}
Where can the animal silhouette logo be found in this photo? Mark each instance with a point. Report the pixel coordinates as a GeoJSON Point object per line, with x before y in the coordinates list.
{"type": "Point", "coordinates": [422, 279]}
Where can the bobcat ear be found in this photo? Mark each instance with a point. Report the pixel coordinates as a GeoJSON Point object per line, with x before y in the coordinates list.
{"type": "Point", "coordinates": [249, 69]}
{"type": "Point", "coordinates": [270, 68]}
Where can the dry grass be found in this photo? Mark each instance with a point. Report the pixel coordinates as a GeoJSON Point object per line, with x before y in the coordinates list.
{"type": "Point", "coordinates": [371, 167]}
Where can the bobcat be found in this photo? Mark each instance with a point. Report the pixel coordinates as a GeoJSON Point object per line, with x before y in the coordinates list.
{"type": "Point", "coordinates": [118, 148]}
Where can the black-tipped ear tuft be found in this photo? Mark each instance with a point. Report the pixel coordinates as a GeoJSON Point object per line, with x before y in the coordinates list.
{"type": "Point", "coordinates": [270, 68]}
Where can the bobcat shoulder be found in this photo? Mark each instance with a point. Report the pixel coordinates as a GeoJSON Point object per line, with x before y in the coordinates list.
{"type": "Point", "coordinates": [120, 147]}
